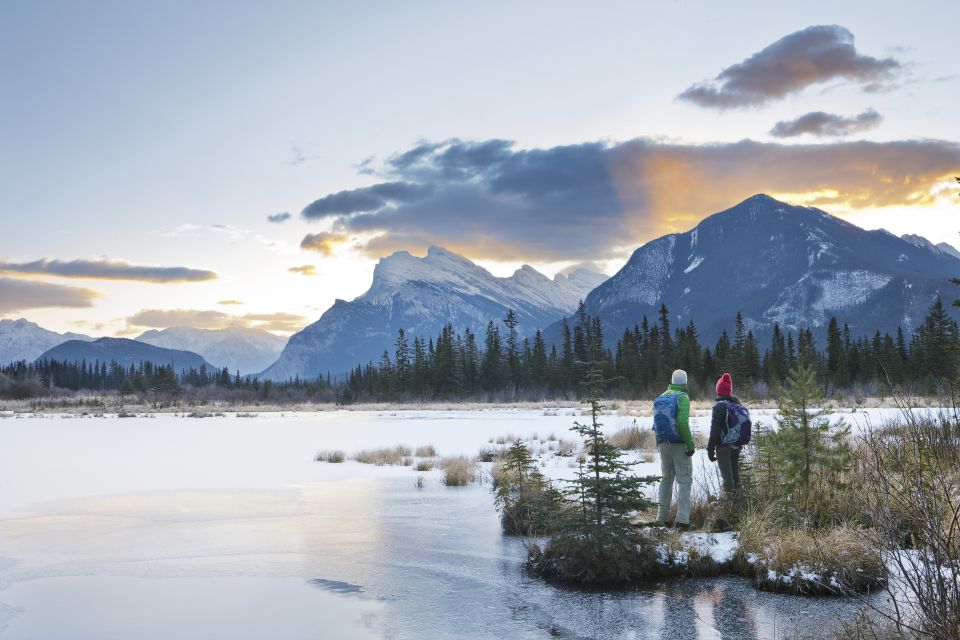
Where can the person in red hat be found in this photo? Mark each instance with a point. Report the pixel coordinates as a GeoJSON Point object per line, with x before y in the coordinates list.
{"type": "Point", "coordinates": [727, 456]}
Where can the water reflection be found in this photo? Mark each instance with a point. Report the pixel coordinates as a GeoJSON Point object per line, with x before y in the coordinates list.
{"type": "Point", "coordinates": [399, 561]}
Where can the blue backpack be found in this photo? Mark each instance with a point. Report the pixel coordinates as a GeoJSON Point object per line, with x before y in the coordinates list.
{"type": "Point", "coordinates": [738, 425]}
{"type": "Point", "coordinates": [665, 409]}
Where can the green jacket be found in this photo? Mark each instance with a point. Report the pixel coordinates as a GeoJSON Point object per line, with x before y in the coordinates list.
{"type": "Point", "coordinates": [683, 413]}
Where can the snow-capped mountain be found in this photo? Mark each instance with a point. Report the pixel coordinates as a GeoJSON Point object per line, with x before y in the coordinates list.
{"type": "Point", "coordinates": [124, 351]}
{"type": "Point", "coordinates": [421, 295]}
{"type": "Point", "coordinates": [25, 340]}
{"type": "Point", "coordinates": [241, 349]}
{"type": "Point", "coordinates": [923, 243]}
{"type": "Point", "coordinates": [777, 263]}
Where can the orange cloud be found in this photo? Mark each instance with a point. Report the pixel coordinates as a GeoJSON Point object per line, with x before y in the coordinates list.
{"type": "Point", "coordinates": [304, 270]}
{"type": "Point", "coordinates": [324, 242]}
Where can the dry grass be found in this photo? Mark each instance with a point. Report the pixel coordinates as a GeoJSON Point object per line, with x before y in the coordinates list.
{"type": "Point", "coordinates": [633, 408]}
{"type": "Point", "coordinates": [425, 451]}
{"type": "Point", "coordinates": [566, 448]}
{"type": "Point", "coordinates": [634, 438]}
{"type": "Point", "coordinates": [837, 561]}
{"type": "Point", "coordinates": [458, 471]}
{"type": "Point", "coordinates": [330, 455]}
{"type": "Point", "coordinates": [423, 465]}
{"type": "Point", "coordinates": [382, 456]}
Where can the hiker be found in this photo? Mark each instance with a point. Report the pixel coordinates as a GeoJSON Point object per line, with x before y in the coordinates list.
{"type": "Point", "coordinates": [729, 430]}
{"type": "Point", "coordinates": [671, 422]}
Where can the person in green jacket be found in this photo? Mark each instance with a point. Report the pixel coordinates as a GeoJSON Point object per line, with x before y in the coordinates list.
{"type": "Point", "coordinates": [676, 458]}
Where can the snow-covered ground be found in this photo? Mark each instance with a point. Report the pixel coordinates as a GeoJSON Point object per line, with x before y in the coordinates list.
{"type": "Point", "coordinates": [165, 525]}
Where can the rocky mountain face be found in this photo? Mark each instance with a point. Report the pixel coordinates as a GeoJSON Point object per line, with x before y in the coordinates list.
{"type": "Point", "coordinates": [126, 352]}
{"type": "Point", "coordinates": [25, 340]}
{"type": "Point", "coordinates": [240, 349]}
{"type": "Point", "coordinates": [777, 263]}
{"type": "Point", "coordinates": [421, 295]}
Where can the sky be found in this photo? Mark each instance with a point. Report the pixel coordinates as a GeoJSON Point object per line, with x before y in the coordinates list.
{"type": "Point", "coordinates": [241, 163]}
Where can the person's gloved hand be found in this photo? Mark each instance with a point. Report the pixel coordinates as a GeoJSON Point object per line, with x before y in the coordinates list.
{"type": "Point", "coordinates": [712, 455]}
{"type": "Point", "coordinates": [690, 453]}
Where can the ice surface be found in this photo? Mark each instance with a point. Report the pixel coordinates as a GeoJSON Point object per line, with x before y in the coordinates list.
{"type": "Point", "coordinates": [225, 527]}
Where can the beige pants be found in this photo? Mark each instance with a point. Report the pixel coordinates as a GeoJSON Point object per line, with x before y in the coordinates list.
{"type": "Point", "coordinates": [677, 467]}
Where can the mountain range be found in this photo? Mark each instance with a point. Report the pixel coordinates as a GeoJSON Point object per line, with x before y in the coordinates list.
{"type": "Point", "coordinates": [243, 349]}
{"type": "Point", "coordinates": [421, 295]}
{"type": "Point", "coordinates": [777, 263]}
{"type": "Point", "coordinates": [126, 352]}
{"type": "Point", "coordinates": [772, 262]}
{"type": "Point", "coordinates": [25, 340]}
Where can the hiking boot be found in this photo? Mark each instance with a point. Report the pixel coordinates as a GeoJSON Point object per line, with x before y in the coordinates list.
{"type": "Point", "coordinates": [681, 526]}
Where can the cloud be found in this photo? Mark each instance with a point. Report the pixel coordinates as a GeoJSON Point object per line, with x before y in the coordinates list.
{"type": "Point", "coordinates": [365, 199]}
{"type": "Point", "coordinates": [20, 295]}
{"type": "Point", "coordinates": [324, 242]}
{"type": "Point", "coordinates": [210, 319]}
{"type": "Point", "coordinates": [591, 201]}
{"type": "Point", "coordinates": [229, 302]}
{"type": "Point", "coordinates": [277, 218]}
{"type": "Point", "coordinates": [304, 270]}
{"type": "Point", "coordinates": [107, 270]}
{"type": "Point", "coordinates": [814, 55]}
{"type": "Point", "coordinates": [820, 124]}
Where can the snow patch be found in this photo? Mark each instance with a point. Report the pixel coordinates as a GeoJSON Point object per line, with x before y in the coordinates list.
{"type": "Point", "coordinates": [693, 265]}
{"type": "Point", "coordinates": [848, 289]}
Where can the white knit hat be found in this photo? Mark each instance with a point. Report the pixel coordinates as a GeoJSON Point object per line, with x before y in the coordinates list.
{"type": "Point", "coordinates": [679, 377]}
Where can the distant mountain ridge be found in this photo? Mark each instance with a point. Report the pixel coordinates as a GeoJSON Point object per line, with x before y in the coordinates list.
{"type": "Point", "coordinates": [421, 295]}
{"type": "Point", "coordinates": [776, 263]}
{"type": "Point", "coordinates": [126, 352]}
{"type": "Point", "coordinates": [25, 340]}
{"type": "Point", "coordinates": [243, 349]}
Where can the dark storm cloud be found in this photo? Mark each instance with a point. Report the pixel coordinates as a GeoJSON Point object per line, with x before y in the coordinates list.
{"type": "Point", "coordinates": [811, 56]}
{"type": "Point", "coordinates": [277, 218]}
{"type": "Point", "coordinates": [364, 199]}
{"type": "Point", "coordinates": [821, 124]}
{"type": "Point", "coordinates": [107, 270]}
{"type": "Point", "coordinates": [20, 295]}
{"type": "Point", "coordinates": [582, 202]}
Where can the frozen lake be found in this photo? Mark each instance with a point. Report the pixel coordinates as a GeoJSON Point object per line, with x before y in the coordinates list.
{"type": "Point", "coordinates": [166, 526]}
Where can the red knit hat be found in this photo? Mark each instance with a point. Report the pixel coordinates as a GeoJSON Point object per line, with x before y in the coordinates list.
{"type": "Point", "coordinates": [725, 385]}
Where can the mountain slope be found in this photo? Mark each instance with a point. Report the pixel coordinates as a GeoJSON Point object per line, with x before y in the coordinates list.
{"type": "Point", "coordinates": [421, 295]}
{"type": "Point", "coordinates": [776, 263]}
{"type": "Point", "coordinates": [238, 348]}
{"type": "Point", "coordinates": [25, 340]}
{"type": "Point", "coordinates": [124, 351]}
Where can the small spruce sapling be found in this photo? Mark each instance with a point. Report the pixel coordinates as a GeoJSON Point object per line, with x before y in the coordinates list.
{"type": "Point", "coordinates": [597, 541]}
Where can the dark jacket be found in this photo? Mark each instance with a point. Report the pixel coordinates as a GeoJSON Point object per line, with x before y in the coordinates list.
{"type": "Point", "coordinates": [718, 423]}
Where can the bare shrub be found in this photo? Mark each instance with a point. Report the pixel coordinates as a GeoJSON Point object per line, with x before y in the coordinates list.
{"type": "Point", "coordinates": [458, 471]}
{"type": "Point", "coordinates": [911, 491]}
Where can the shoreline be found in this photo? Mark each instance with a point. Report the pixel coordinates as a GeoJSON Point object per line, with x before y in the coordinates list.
{"type": "Point", "coordinates": [619, 407]}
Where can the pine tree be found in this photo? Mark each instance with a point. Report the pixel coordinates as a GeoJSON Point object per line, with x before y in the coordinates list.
{"type": "Point", "coordinates": [513, 351]}
{"type": "Point", "coordinates": [527, 502]}
{"type": "Point", "coordinates": [811, 456]}
{"type": "Point", "coordinates": [597, 542]}
{"type": "Point", "coordinates": [402, 361]}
